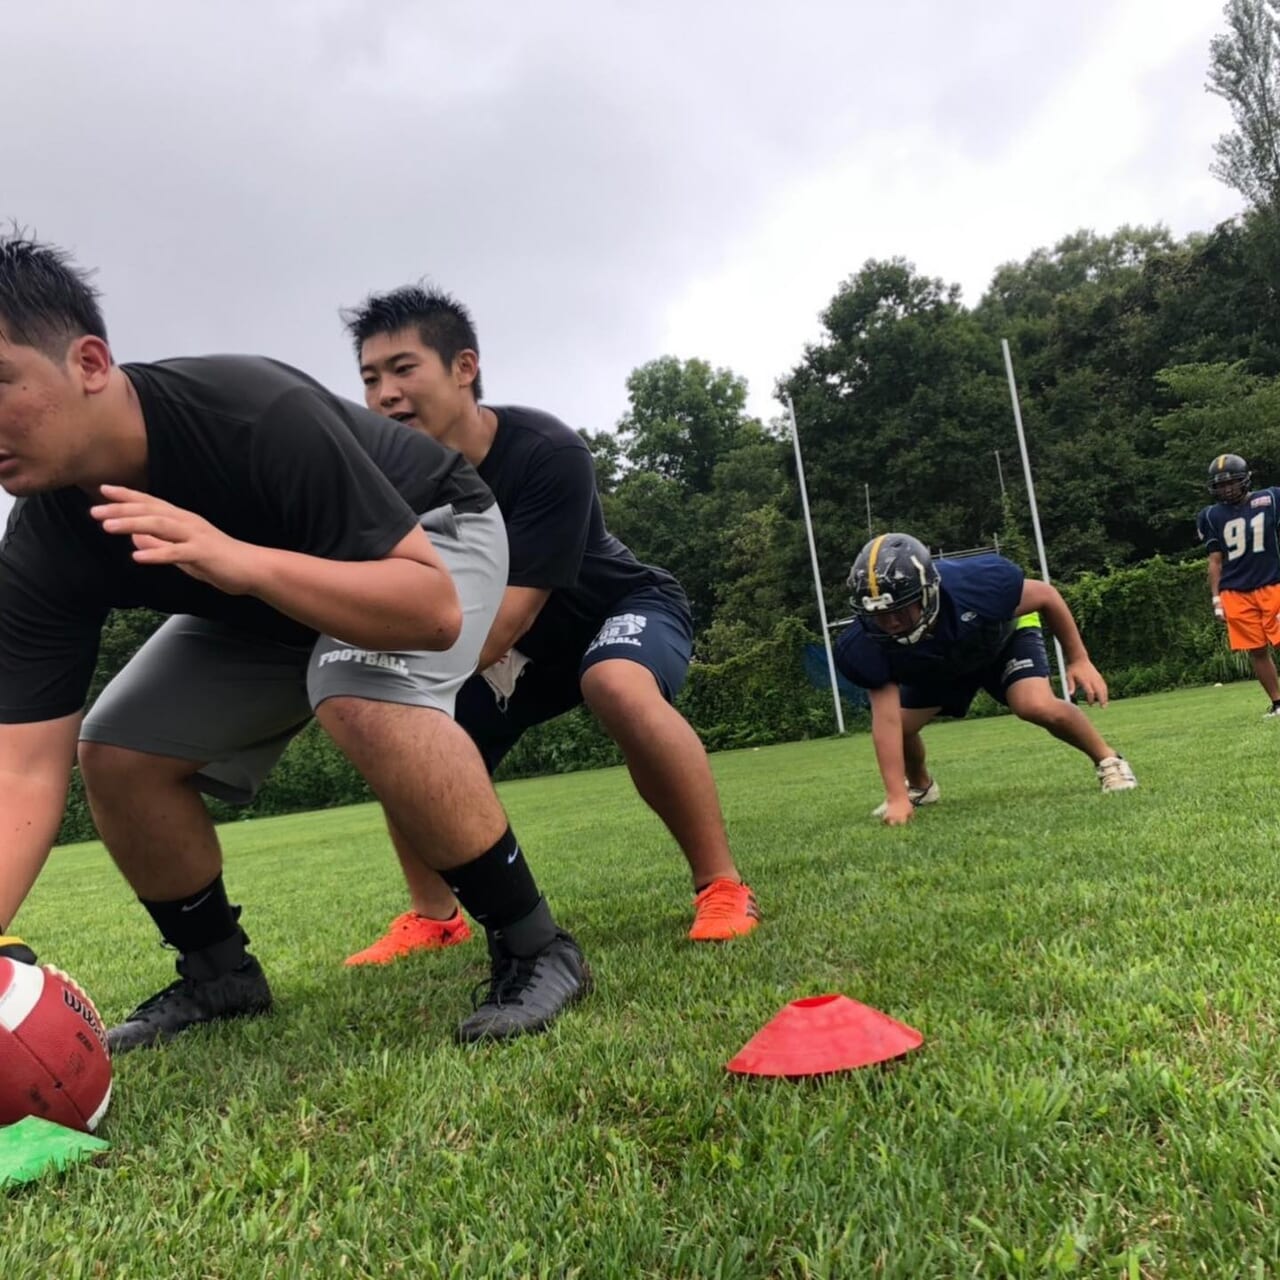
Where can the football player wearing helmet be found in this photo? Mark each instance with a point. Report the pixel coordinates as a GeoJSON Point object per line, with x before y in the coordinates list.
{"type": "Point", "coordinates": [928, 635]}
{"type": "Point", "coordinates": [1239, 529]}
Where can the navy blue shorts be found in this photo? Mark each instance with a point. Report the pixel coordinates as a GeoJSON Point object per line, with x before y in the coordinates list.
{"type": "Point", "coordinates": [649, 627]}
{"type": "Point", "coordinates": [1022, 656]}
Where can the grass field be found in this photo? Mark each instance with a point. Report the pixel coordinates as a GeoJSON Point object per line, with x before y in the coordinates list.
{"type": "Point", "coordinates": [1095, 977]}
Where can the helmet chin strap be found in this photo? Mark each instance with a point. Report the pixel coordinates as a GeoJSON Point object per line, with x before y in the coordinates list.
{"type": "Point", "coordinates": [930, 603]}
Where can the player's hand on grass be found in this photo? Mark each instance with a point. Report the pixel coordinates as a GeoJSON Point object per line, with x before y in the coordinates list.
{"type": "Point", "coordinates": [165, 534]}
{"type": "Point", "coordinates": [12, 948]}
{"type": "Point", "coordinates": [898, 812]}
{"type": "Point", "coordinates": [1084, 677]}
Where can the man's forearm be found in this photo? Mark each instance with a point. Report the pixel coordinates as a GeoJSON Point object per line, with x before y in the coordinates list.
{"type": "Point", "coordinates": [396, 603]}
{"type": "Point", "coordinates": [495, 648]}
{"type": "Point", "coordinates": [516, 614]}
{"type": "Point", "coordinates": [886, 739]}
{"type": "Point", "coordinates": [1062, 626]}
{"type": "Point", "coordinates": [507, 629]}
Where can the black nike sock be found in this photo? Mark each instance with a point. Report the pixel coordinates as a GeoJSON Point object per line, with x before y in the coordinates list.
{"type": "Point", "coordinates": [195, 922]}
{"type": "Point", "coordinates": [497, 888]}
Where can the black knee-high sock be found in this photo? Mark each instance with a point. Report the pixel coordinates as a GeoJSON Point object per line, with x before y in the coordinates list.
{"type": "Point", "coordinates": [195, 922]}
{"type": "Point", "coordinates": [498, 889]}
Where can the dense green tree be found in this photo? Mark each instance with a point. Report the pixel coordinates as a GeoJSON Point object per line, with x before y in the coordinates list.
{"type": "Point", "coordinates": [904, 394]}
{"type": "Point", "coordinates": [683, 418]}
{"type": "Point", "coordinates": [694, 470]}
{"type": "Point", "coordinates": [607, 453]}
{"type": "Point", "coordinates": [1215, 408]}
{"type": "Point", "coordinates": [125, 632]}
{"type": "Point", "coordinates": [1244, 71]}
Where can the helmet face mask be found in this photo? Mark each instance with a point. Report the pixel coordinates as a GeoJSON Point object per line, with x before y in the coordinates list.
{"type": "Point", "coordinates": [896, 589]}
{"type": "Point", "coordinates": [1230, 480]}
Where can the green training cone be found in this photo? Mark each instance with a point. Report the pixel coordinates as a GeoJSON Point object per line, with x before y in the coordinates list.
{"type": "Point", "coordinates": [33, 1146]}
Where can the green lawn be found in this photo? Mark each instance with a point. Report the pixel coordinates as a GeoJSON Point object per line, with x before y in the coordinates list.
{"type": "Point", "coordinates": [1095, 978]}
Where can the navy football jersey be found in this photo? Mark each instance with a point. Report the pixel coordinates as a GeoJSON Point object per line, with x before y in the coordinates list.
{"type": "Point", "coordinates": [976, 617]}
{"type": "Point", "coordinates": [1245, 534]}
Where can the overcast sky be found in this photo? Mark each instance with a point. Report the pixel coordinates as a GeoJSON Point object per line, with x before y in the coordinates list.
{"type": "Point", "coordinates": [601, 182]}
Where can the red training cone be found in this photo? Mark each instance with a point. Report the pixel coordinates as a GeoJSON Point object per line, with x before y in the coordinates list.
{"type": "Point", "coordinates": [821, 1034]}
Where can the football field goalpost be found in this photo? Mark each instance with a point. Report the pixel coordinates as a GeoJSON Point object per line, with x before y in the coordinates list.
{"type": "Point", "coordinates": [1031, 498]}
{"type": "Point", "coordinates": [813, 549]}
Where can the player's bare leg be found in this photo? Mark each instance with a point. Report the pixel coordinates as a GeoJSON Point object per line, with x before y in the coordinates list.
{"type": "Point", "coordinates": [152, 819]}
{"type": "Point", "coordinates": [159, 833]}
{"type": "Point", "coordinates": [427, 773]}
{"type": "Point", "coordinates": [1264, 668]}
{"type": "Point", "coordinates": [440, 802]}
{"type": "Point", "coordinates": [433, 921]}
{"type": "Point", "coordinates": [429, 896]}
{"type": "Point", "coordinates": [669, 766]}
{"type": "Point", "coordinates": [667, 762]}
{"type": "Point", "coordinates": [1034, 700]}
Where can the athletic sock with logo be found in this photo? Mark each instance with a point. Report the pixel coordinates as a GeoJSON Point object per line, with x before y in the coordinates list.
{"type": "Point", "coordinates": [193, 923]}
{"type": "Point", "coordinates": [497, 888]}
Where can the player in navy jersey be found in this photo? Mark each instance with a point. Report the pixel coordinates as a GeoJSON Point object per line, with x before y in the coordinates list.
{"type": "Point", "coordinates": [581, 621]}
{"type": "Point", "coordinates": [1240, 531]}
{"type": "Point", "coordinates": [928, 636]}
{"type": "Point", "coordinates": [315, 559]}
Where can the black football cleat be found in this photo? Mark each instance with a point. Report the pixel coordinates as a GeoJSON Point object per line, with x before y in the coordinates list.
{"type": "Point", "coordinates": [206, 992]}
{"type": "Point", "coordinates": [527, 993]}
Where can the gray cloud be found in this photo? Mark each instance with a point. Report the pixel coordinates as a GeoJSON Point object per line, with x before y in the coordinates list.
{"type": "Point", "coordinates": [239, 171]}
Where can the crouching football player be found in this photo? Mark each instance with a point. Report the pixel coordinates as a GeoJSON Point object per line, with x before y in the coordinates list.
{"type": "Point", "coordinates": [925, 639]}
{"type": "Point", "coordinates": [316, 559]}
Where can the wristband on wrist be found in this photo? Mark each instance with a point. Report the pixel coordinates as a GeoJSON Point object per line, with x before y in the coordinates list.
{"type": "Point", "coordinates": [14, 948]}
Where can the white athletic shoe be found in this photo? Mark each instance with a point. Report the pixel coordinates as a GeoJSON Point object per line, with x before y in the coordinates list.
{"type": "Point", "coordinates": [1115, 774]}
{"type": "Point", "coordinates": [917, 796]}
{"type": "Point", "coordinates": [1273, 713]}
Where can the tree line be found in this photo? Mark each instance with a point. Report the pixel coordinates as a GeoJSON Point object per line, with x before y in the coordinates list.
{"type": "Point", "coordinates": [1139, 357]}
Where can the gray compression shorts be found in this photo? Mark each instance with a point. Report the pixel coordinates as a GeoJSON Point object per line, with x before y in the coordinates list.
{"type": "Point", "coordinates": [206, 691]}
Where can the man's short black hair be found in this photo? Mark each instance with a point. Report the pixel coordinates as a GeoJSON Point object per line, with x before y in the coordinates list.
{"type": "Point", "coordinates": [441, 321]}
{"type": "Point", "coordinates": [45, 301]}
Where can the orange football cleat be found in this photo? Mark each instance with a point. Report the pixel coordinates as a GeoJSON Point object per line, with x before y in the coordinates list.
{"type": "Point", "coordinates": [412, 932]}
{"type": "Point", "coordinates": [724, 909]}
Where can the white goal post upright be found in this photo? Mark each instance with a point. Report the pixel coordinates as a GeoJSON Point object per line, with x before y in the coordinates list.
{"type": "Point", "coordinates": [1031, 498]}
{"type": "Point", "coordinates": [817, 575]}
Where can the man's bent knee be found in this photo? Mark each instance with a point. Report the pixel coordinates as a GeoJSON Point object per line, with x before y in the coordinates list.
{"type": "Point", "coordinates": [106, 767]}
{"type": "Point", "coordinates": [619, 688]}
{"type": "Point", "coordinates": [1045, 712]}
{"type": "Point", "coordinates": [362, 723]}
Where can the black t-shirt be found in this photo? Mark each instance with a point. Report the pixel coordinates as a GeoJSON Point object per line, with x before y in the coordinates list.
{"type": "Point", "coordinates": [544, 479]}
{"type": "Point", "coordinates": [263, 453]}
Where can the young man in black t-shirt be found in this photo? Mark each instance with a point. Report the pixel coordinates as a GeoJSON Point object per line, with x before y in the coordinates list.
{"type": "Point", "coordinates": [314, 558]}
{"type": "Point", "coordinates": [581, 620]}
